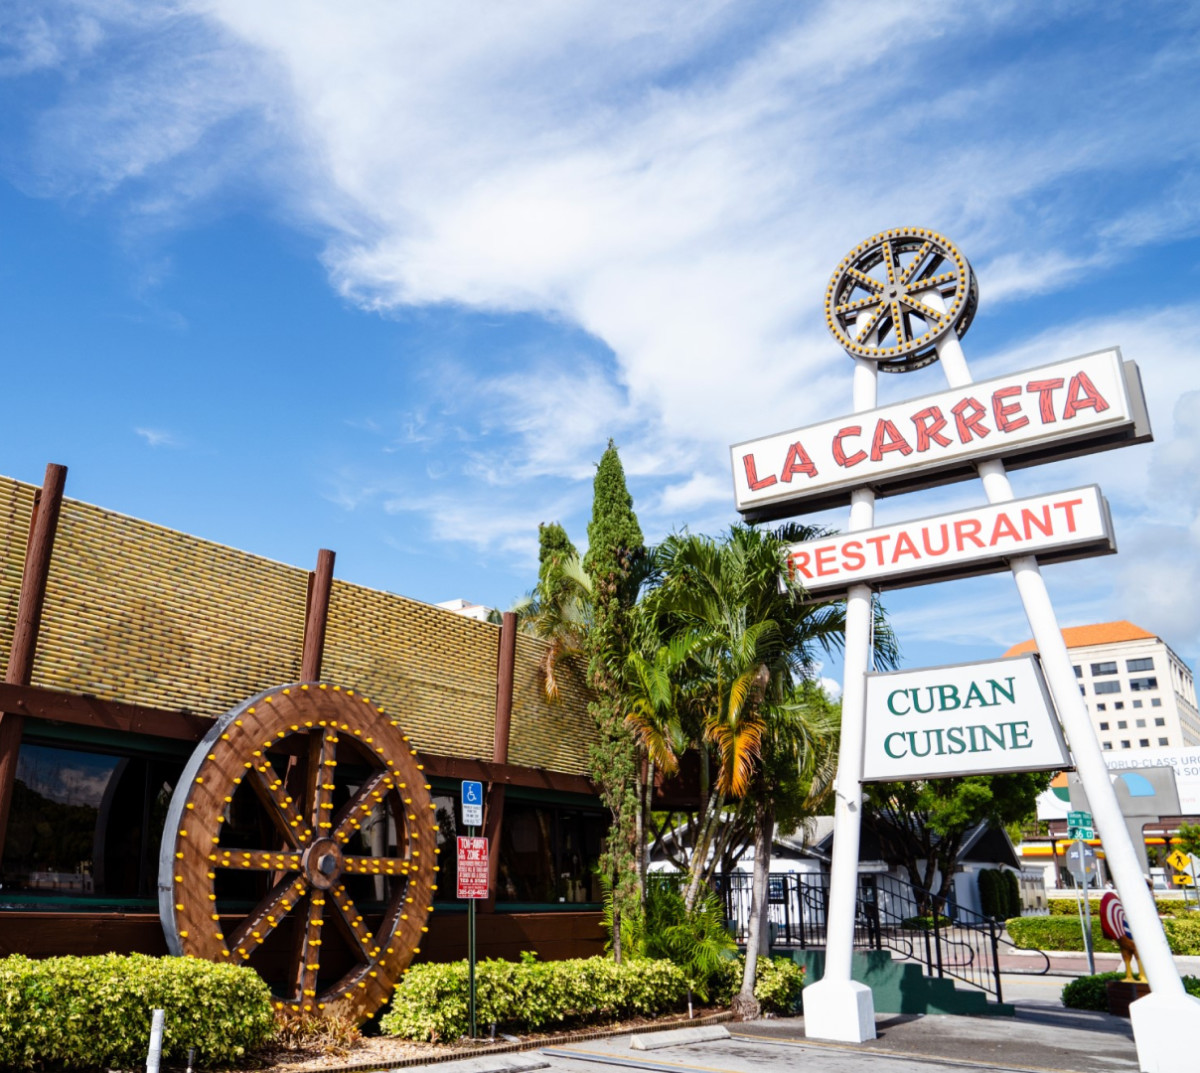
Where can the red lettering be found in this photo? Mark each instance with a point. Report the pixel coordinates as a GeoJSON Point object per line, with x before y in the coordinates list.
{"type": "Point", "coordinates": [1003, 528]}
{"type": "Point", "coordinates": [799, 564]}
{"type": "Point", "coordinates": [968, 529]}
{"type": "Point", "coordinates": [945, 541]}
{"type": "Point", "coordinates": [1029, 520]}
{"type": "Point", "coordinates": [968, 423]}
{"type": "Point", "coordinates": [1067, 506]}
{"type": "Point", "coordinates": [929, 424]}
{"type": "Point", "coordinates": [797, 461]}
{"type": "Point", "coordinates": [839, 453]}
{"type": "Point", "coordinates": [852, 556]}
{"type": "Point", "coordinates": [878, 542]}
{"type": "Point", "coordinates": [887, 438]}
{"type": "Point", "coordinates": [1002, 411]}
{"type": "Point", "coordinates": [904, 546]}
{"type": "Point", "coordinates": [824, 558]}
{"type": "Point", "coordinates": [1045, 392]}
{"type": "Point", "coordinates": [1082, 395]}
{"type": "Point", "coordinates": [752, 475]}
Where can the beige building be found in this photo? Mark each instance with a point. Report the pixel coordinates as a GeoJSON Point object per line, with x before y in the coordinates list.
{"type": "Point", "coordinates": [1139, 693]}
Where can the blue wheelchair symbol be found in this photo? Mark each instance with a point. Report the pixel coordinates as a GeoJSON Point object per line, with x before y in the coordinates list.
{"type": "Point", "coordinates": [472, 793]}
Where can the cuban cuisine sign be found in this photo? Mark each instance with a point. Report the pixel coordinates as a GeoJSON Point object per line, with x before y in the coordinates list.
{"type": "Point", "coordinates": [967, 719]}
{"type": "Point", "coordinates": [1054, 527]}
{"type": "Point", "coordinates": [1072, 407]}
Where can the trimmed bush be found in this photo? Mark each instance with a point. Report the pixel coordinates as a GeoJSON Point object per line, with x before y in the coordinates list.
{"type": "Point", "coordinates": [1064, 933]}
{"type": "Point", "coordinates": [778, 983]}
{"type": "Point", "coordinates": [999, 893]}
{"type": "Point", "coordinates": [1090, 992]}
{"type": "Point", "coordinates": [431, 1001]}
{"type": "Point", "coordinates": [94, 1012]}
{"type": "Point", "coordinates": [1069, 907]}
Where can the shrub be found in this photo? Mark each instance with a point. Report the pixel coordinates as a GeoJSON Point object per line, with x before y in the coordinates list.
{"type": "Point", "coordinates": [1090, 992]}
{"type": "Point", "coordinates": [1064, 933]}
{"type": "Point", "coordinates": [432, 1001]}
{"type": "Point", "coordinates": [1183, 933]}
{"type": "Point", "coordinates": [778, 982]}
{"type": "Point", "coordinates": [89, 1012]}
{"type": "Point", "coordinates": [1069, 907]}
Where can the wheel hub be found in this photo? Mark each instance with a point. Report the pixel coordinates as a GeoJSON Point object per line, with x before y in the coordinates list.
{"type": "Point", "coordinates": [322, 863]}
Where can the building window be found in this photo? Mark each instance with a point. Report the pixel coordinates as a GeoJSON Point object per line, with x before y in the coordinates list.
{"type": "Point", "coordinates": [1141, 722]}
{"type": "Point", "coordinates": [1143, 742]}
{"type": "Point", "coordinates": [1137, 703]}
{"type": "Point", "coordinates": [1119, 706]}
{"type": "Point", "coordinates": [1078, 671]}
{"type": "Point", "coordinates": [1107, 744]}
{"type": "Point", "coordinates": [1146, 664]}
{"type": "Point", "coordinates": [1121, 724]}
{"type": "Point", "coordinates": [1124, 743]}
{"type": "Point", "coordinates": [1101, 707]}
{"type": "Point", "coordinates": [1103, 726]}
{"type": "Point", "coordinates": [1155, 702]}
{"type": "Point", "coordinates": [1162, 741]}
{"type": "Point", "coordinates": [1107, 687]}
{"type": "Point", "coordinates": [1138, 685]}
{"type": "Point", "coordinates": [1159, 721]}
{"type": "Point", "coordinates": [1104, 668]}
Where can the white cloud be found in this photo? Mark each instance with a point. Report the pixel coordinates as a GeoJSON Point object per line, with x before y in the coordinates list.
{"type": "Point", "coordinates": [158, 437]}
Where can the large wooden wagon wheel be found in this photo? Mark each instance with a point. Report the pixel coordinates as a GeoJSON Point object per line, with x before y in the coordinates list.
{"type": "Point", "coordinates": [301, 840]}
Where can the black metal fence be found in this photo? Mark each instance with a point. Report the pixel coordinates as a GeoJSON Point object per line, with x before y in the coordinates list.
{"type": "Point", "coordinates": [949, 940]}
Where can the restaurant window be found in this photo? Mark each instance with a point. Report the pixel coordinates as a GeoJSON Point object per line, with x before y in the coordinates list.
{"type": "Point", "coordinates": [85, 824]}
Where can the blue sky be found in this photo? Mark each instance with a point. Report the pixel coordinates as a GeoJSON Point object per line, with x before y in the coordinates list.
{"type": "Point", "coordinates": [386, 277]}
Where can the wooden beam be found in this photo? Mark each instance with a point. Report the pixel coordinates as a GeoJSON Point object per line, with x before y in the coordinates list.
{"type": "Point", "coordinates": [506, 659]}
{"type": "Point", "coordinates": [81, 710]}
{"type": "Point", "coordinates": [320, 581]}
{"type": "Point", "coordinates": [42, 526]}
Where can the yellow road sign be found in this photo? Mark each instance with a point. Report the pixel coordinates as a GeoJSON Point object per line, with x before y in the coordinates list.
{"type": "Point", "coordinates": [1179, 860]}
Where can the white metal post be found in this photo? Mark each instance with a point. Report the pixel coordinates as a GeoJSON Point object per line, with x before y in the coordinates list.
{"type": "Point", "coordinates": [1150, 1015]}
{"type": "Point", "coordinates": [836, 1007]}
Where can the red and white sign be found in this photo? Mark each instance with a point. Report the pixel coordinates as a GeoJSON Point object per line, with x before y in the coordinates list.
{"type": "Point", "coordinates": [1054, 527]}
{"type": "Point", "coordinates": [472, 866]}
{"type": "Point", "coordinates": [1069, 408]}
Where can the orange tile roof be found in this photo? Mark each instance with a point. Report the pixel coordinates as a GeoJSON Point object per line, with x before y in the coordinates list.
{"type": "Point", "coordinates": [1103, 633]}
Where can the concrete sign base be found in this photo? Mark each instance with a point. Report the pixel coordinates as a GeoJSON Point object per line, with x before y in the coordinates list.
{"type": "Point", "coordinates": [839, 1010]}
{"type": "Point", "coordinates": [1159, 1030]}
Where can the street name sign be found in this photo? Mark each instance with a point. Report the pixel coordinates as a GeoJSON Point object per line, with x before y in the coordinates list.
{"type": "Point", "coordinates": [472, 866]}
{"type": "Point", "coordinates": [1079, 825]}
{"type": "Point", "coordinates": [1055, 527]}
{"type": "Point", "coordinates": [964, 719]}
{"type": "Point", "coordinates": [1085, 404]}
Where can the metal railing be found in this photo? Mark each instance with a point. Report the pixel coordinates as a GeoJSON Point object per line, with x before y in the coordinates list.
{"type": "Point", "coordinates": [948, 940]}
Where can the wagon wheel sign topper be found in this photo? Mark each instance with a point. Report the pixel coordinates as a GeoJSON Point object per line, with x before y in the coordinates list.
{"type": "Point", "coordinates": [301, 840]}
{"type": "Point", "coordinates": [877, 303]}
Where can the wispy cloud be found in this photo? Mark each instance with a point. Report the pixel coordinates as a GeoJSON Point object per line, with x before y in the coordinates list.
{"type": "Point", "coordinates": [159, 437]}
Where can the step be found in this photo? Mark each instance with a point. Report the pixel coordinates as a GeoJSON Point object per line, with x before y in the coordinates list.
{"type": "Point", "coordinates": [903, 987]}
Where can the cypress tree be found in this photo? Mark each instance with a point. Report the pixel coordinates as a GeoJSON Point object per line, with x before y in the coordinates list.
{"type": "Point", "coordinates": [614, 548]}
{"type": "Point", "coordinates": [554, 549]}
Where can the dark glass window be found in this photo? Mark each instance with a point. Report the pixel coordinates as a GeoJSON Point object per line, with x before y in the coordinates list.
{"type": "Point", "coordinates": [85, 824]}
{"type": "Point", "coordinates": [1155, 702]}
{"type": "Point", "coordinates": [1159, 721]}
{"type": "Point", "coordinates": [1108, 744]}
{"type": "Point", "coordinates": [1104, 668]}
{"type": "Point", "coordinates": [1124, 743]}
{"type": "Point", "coordinates": [1146, 664]}
{"type": "Point", "coordinates": [1107, 687]}
{"type": "Point", "coordinates": [1162, 741]}
{"type": "Point", "coordinates": [1078, 672]}
{"type": "Point", "coordinates": [1143, 742]}
{"type": "Point", "coordinates": [1139, 684]}
{"type": "Point", "coordinates": [1103, 726]}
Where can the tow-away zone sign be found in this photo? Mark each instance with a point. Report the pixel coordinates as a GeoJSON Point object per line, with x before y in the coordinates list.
{"type": "Point", "coordinates": [1057, 527]}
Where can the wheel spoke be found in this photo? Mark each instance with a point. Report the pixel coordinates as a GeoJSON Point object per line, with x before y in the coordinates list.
{"type": "Point", "coordinates": [378, 866]}
{"type": "Point", "coordinates": [308, 953]}
{"type": "Point", "coordinates": [368, 949]}
{"type": "Point", "coordinates": [256, 860]}
{"type": "Point", "coordinates": [318, 796]}
{"type": "Point", "coordinates": [889, 262]}
{"type": "Point", "coordinates": [860, 303]}
{"type": "Point", "coordinates": [351, 815]}
{"type": "Point", "coordinates": [915, 263]}
{"type": "Point", "coordinates": [278, 803]}
{"type": "Point", "coordinates": [265, 916]}
{"type": "Point", "coordinates": [932, 316]}
{"type": "Point", "coordinates": [865, 280]}
{"type": "Point", "coordinates": [898, 323]}
{"type": "Point", "coordinates": [871, 323]}
{"type": "Point", "coordinates": [932, 281]}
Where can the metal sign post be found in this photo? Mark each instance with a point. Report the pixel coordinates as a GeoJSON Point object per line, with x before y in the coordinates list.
{"type": "Point", "coordinates": [472, 876]}
{"type": "Point", "coordinates": [1082, 863]}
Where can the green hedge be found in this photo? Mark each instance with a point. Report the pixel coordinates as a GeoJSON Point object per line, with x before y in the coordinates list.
{"type": "Point", "coordinates": [528, 995]}
{"type": "Point", "coordinates": [1090, 992]}
{"type": "Point", "coordinates": [999, 893]}
{"type": "Point", "coordinates": [1069, 907]}
{"type": "Point", "coordinates": [778, 983]}
{"type": "Point", "coordinates": [90, 1012]}
{"type": "Point", "coordinates": [1064, 933]}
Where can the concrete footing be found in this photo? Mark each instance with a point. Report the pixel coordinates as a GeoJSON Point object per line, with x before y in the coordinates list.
{"type": "Point", "coordinates": [839, 1010]}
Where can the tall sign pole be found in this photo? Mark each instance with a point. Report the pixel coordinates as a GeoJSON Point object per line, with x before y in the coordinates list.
{"type": "Point", "coordinates": [897, 302]}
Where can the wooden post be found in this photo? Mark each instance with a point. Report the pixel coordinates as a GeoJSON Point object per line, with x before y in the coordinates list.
{"type": "Point", "coordinates": [42, 526]}
{"type": "Point", "coordinates": [316, 614]}
{"type": "Point", "coordinates": [506, 659]}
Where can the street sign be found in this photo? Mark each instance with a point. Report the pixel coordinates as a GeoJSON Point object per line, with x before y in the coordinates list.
{"type": "Point", "coordinates": [1179, 860]}
{"type": "Point", "coordinates": [472, 803]}
{"type": "Point", "coordinates": [1079, 825]}
{"type": "Point", "coordinates": [472, 866]}
{"type": "Point", "coordinates": [1081, 860]}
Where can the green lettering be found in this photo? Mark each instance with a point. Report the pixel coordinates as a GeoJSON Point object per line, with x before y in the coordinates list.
{"type": "Point", "coordinates": [887, 745]}
{"type": "Point", "coordinates": [912, 743]}
{"type": "Point", "coordinates": [948, 694]}
{"type": "Point", "coordinates": [1010, 692]}
{"type": "Point", "coordinates": [892, 701]}
{"type": "Point", "coordinates": [997, 736]}
{"type": "Point", "coordinates": [975, 695]}
{"type": "Point", "coordinates": [1019, 735]}
{"type": "Point", "coordinates": [917, 701]}
{"type": "Point", "coordinates": [955, 738]}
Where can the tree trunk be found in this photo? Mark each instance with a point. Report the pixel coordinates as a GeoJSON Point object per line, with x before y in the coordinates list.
{"type": "Point", "coordinates": [745, 1006]}
{"type": "Point", "coordinates": [616, 920]}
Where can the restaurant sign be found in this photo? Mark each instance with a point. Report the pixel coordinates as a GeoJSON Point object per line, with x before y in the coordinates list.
{"type": "Point", "coordinates": [1054, 527]}
{"type": "Point", "coordinates": [967, 719]}
{"type": "Point", "coordinates": [1072, 407]}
